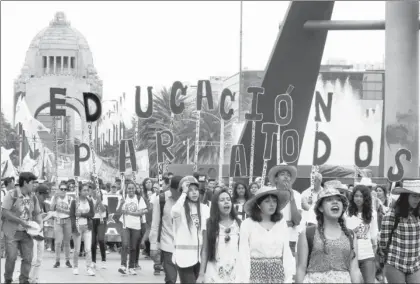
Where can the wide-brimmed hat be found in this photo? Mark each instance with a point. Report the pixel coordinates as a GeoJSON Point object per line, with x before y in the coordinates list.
{"type": "Point", "coordinates": [283, 197]}
{"type": "Point", "coordinates": [190, 179]}
{"type": "Point", "coordinates": [366, 181]}
{"type": "Point", "coordinates": [331, 191]}
{"type": "Point", "coordinates": [408, 186]}
{"type": "Point", "coordinates": [279, 168]}
{"type": "Point", "coordinates": [336, 184]}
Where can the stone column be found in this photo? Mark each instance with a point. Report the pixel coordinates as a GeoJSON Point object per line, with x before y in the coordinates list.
{"type": "Point", "coordinates": [69, 64]}
{"type": "Point", "coordinates": [55, 64]}
{"type": "Point", "coordinates": [62, 64]}
{"type": "Point", "coordinates": [402, 84]}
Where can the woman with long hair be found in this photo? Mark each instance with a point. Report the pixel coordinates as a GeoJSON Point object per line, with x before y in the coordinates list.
{"type": "Point", "coordinates": [189, 221]}
{"type": "Point", "coordinates": [132, 207]}
{"type": "Point", "coordinates": [220, 241]}
{"type": "Point", "coordinates": [99, 223]}
{"type": "Point", "coordinates": [60, 205]}
{"type": "Point", "coordinates": [327, 252]}
{"type": "Point", "coordinates": [81, 214]}
{"type": "Point", "coordinates": [241, 194]}
{"type": "Point", "coordinates": [362, 221]}
{"type": "Point", "coordinates": [399, 247]}
{"type": "Point", "coordinates": [264, 251]}
{"type": "Point", "coordinates": [382, 194]}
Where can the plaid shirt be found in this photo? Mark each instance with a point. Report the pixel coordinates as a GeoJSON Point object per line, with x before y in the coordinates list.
{"type": "Point", "coordinates": [404, 249]}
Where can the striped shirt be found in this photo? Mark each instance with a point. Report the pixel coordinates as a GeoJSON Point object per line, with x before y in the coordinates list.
{"type": "Point", "coordinates": [404, 248]}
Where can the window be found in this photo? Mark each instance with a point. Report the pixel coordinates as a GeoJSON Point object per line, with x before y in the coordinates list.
{"type": "Point", "coordinates": [58, 64]}
{"type": "Point", "coordinates": [44, 62]}
{"type": "Point", "coordinates": [72, 62]}
{"type": "Point", "coordinates": [51, 64]}
{"type": "Point", "coordinates": [66, 62]}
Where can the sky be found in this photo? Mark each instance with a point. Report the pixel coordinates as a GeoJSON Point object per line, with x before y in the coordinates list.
{"type": "Point", "coordinates": [155, 43]}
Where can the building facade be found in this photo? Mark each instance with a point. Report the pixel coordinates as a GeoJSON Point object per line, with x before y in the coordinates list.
{"type": "Point", "coordinates": [58, 57]}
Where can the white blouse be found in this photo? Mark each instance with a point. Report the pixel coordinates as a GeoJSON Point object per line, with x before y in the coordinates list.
{"type": "Point", "coordinates": [257, 242]}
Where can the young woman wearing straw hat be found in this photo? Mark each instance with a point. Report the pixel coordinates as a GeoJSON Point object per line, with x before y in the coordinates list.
{"type": "Point", "coordinates": [329, 255]}
{"type": "Point", "coordinates": [398, 246]}
{"type": "Point", "coordinates": [264, 252]}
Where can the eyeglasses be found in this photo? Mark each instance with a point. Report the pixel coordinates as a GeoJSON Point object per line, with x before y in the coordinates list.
{"type": "Point", "coordinates": [227, 237]}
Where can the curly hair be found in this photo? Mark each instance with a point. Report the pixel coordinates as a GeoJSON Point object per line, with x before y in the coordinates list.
{"type": "Point", "coordinates": [235, 195]}
{"type": "Point", "coordinates": [346, 231]}
{"type": "Point", "coordinates": [367, 203]}
{"type": "Point", "coordinates": [213, 223]}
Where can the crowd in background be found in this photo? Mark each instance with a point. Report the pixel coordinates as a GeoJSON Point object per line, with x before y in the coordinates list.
{"type": "Point", "coordinates": [199, 231]}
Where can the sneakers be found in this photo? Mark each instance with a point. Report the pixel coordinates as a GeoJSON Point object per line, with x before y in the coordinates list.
{"type": "Point", "coordinates": [93, 265]}
{"type": "Point", "coordinates": [90, 272]}
{"type": "Point", "coordinates": [103, 265]}
{"type": "Point", "coordinates": [137, 266]}
{"type": "Point", "coordinates": [122, 270]}
{"type": "Point", "coordinates": [131, 271]}
{"type": "Point", "coordinates": [57, 264]}
{"type": "Point", "coordinates": [76, 271]}
{"type": "Point", "coordinates": [68, 264]}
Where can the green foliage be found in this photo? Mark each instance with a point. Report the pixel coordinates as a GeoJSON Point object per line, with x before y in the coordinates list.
{"type": "Point", "coordinates": [9, 139]}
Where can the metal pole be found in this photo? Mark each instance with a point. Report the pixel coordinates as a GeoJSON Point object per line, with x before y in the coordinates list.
{"type": "Point", "coordinates": [240, 65]}
{"type": "Point", "coordinates": [20, 131]}
{"type": "Point", "coordinates": [222, 150]}
{"type": "Point", "coordinates": [402, 84]}
{"type": "Point", "coordinates": [188, 151]}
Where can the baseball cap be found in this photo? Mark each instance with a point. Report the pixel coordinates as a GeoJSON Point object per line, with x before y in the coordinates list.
{"type": "Point", "coordinates": [190, 179]}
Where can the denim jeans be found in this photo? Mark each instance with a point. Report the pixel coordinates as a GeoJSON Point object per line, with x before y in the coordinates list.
{"type": "Point", "coordinates": [38, 252]}
{"type": "Point", "coordinates": [189, 274]}
{"type": "Point", "coordinates": [98, 232]}
{"type": "Point", "coordinates": [368, 269]}
{"type": "Point", "coordinates": [130, 239]}
{"type": "Point", "coordinates": [23, 242]}
{"type": "Point", "coordinates": [171, 273]}
{"type": "Point", "coordinates": [62, 232]}
{"type": "Point", "coordinates": [86, 234]}
{"type": "Point", "coordinates": [394, 275]}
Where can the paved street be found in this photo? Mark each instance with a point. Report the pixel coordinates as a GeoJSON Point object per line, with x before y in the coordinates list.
{"type": "Point", "coordinates": [48, 274]}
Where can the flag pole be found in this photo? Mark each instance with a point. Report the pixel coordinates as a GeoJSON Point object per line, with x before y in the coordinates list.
{"type": "Point", "coordinates": [240, 63]}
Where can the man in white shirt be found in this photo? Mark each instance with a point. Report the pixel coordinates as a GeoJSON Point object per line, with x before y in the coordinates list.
{"type": "Point", "coordinates": [282, 177]}
{"type": "Point", "coordinates": [309, 198]}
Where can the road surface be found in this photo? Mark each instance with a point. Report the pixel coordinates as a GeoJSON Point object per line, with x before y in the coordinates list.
{"type": "Point", "coordinates": [48, 274]}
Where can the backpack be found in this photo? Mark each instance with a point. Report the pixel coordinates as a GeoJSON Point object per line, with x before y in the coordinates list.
{"type": "Point", "coordinates": [15, 196]}
{"type": "Point", "coordinates": [310, 234]}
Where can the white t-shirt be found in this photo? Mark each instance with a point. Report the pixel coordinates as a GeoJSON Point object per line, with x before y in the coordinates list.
{"type": "Point", "coordinates": [83, 208]}
{"type": "Point", "coordinates": [96, 207]}
{"type": "Point", "coordinates": [287, 215]}
{"type": "Point", "coordinates": [133, 205]}
{"type": "Point", "coordinates": [365, 233]}
{"type": "Point", "coordinates": [3, 194]}
{"type": "Point", "coordinates": [309, 216]}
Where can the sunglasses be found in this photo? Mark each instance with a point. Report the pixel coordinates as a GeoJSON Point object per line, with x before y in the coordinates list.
{"type": "Point", "coordinates": [227, 237]}
{"type": "Point", "coordinates": [63, 188]}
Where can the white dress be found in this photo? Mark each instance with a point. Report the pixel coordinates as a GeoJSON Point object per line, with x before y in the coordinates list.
{"type": "Point", "coordinates": [222, 270]}
{"type": "Point", "coordinates": [264, 255]}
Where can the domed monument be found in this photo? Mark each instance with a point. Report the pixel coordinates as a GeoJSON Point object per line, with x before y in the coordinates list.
{"type": "Point", "coordinates": [59, 57]}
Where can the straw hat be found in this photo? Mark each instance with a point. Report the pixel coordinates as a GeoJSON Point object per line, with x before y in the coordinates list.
{"type": "Point", "coordinates": [408, 186]}
{"type": "Point", "coordinates": [336, 184]}
{"type": "Point", "coordinates": [279, 168]}
{"type": "Point", "coordinates": [331, 191]}
{"type": "Point", "coordinates": [366, 181]}
{"type": "Point", "coordinates": [283, 197]}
